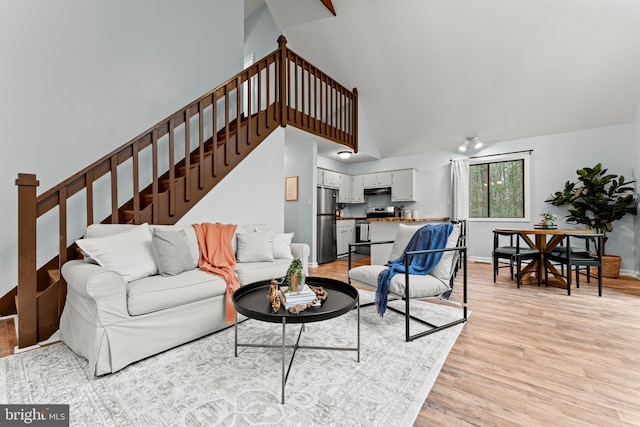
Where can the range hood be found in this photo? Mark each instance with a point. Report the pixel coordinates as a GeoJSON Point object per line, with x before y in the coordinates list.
{"type": "Point", "coordinates": [377, 191]}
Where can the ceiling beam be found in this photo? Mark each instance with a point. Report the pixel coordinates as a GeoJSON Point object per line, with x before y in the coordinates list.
{"type": "Point", "coordinates": [329, 6]}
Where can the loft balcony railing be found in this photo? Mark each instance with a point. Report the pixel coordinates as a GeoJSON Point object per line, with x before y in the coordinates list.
{"type": "Point", "coordinates": [166, 169]}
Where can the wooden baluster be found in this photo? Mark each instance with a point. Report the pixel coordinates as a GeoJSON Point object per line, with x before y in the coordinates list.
{"type": "Point", "coordinates": [259, 101]}
{"type": "Point", "coordinates": [249, 96]}
{"type": "Point", "coordinates": [326, 107]}
{"type": "Point", "coordinates": [268, 81]}
{"type": "Point", "coordinates": [187, 154]}
{"type": "Point", "coordinates": [296, 84]}
{"type": "Point", "coordinates": [284, 77]}
{"type": "Point", "coordinates": [226, 125]}
{"type": "Point", "coordinates": [27, 267]}
{"type": "Point", "coordinates": [238, 83]}
{"type": "Point", "coordinates": [136, 183]}
{"type": "Point", "coordinates": [214, 135]}
{"type": "Point", "coordinates": [88, 183]}
{"type": "Point", "coordinates": [316, 99]}
{"type": "Point", "coordinates": [172, 170]}
{"type": "Point", "coordinates": [114, 189]}
{"type": "Point", "coordinates": [200, 145]}
{"type": "Point", "coordinates": [308, 95]}
{"type": "Point", "coordinates": [154, 182]}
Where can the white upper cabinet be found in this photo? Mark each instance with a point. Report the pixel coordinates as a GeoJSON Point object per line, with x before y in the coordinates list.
{"type": "Point", "coordinates": [379, 179]}
{"type": "Point", "coordinates": [403, 185]}
{"type": "Point", "coordinates": [357, 189]}
{"type": "Point", "coordinates": [331, 179]}
{"type": "Point", "coordinates": [344, 192]}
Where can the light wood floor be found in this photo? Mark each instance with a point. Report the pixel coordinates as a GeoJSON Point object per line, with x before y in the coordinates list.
{"type": "Point", "coordinates": [537, 357]}
{"type": "Point", "coordinates": [530, 356]}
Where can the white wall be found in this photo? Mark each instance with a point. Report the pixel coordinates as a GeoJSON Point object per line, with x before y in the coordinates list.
{"type": "Point", "coordinates": [300, 215]}
{"type": "Point", "coordinates": [78, 79]}
{"type": "Point", "coordinates": [260, 33]}
{"type": "Point", "coordinates": [253, 193]}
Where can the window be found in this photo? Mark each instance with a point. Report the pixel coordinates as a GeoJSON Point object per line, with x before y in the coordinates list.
{"type": "Point", "coordinates": [498, 189]}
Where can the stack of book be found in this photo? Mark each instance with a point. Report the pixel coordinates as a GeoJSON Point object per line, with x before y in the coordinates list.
{"type": "Point", "coordinates": [303, 296]}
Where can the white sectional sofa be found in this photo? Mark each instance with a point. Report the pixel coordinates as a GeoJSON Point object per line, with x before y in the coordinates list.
{"type": "Point", "coordinates": [123, 311]}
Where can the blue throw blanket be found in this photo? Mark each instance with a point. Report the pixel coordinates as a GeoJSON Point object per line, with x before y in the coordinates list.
{"type": "Point", "coordinates": [427, 237]}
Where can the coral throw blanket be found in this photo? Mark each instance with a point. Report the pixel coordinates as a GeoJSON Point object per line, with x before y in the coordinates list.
{"type": "Point", "coordinates": [217, 257]}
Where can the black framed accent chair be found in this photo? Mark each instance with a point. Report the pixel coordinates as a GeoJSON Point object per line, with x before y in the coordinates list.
{"type": "Point", "coordinates": [509, 246]}
{"type": "Point", "coordinates": [581, 251]}
{"type": "Point", "coordinates": [438, 283]}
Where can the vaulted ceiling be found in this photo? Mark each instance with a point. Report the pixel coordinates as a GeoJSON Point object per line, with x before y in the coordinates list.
{"type": "Point", "coordinates": [432, 72]}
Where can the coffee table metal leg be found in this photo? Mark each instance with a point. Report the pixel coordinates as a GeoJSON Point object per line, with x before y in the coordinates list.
{"type": "Point", "coordinates": [358, 330]}
{"type": "Point", "coordinates": [284, 324]}
{"type": "Point", "coordinates": [235, 326]}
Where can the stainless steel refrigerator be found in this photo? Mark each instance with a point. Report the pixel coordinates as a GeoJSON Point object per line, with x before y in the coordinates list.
{"type": "Point", "coordinates": [326, 250]}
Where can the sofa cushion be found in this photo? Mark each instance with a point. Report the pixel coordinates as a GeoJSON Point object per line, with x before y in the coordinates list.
{"type": "Point", "coordinates": [254, 271]}
{"type": "Point", "coordinates": [251, 228]}
{"type": "Point", "coordinates": [420, 286]}
{"type": "Point", "coordinates": [255, 247]}
{"type": "Point", "coordinates": [128, 253]}
{"type": "Point", "coordinates": [158, 293]}
{"type": "Point", "coordinates": [282, 245]}
{"type": "Point", "coordinates": [100, 230]}
{"type": "Point", "coordinates": [171, 251]}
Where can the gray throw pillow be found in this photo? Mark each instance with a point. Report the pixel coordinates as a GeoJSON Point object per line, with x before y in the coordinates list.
{"type": "Point", "coordinates": [171, 250]}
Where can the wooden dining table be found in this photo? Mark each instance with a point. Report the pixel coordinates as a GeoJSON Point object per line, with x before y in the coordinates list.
{"type": "Point", "coordinates": [540, 242]}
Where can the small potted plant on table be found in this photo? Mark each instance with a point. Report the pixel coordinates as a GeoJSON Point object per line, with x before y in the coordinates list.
{"type": "Point", "coordinates": [295, 275]}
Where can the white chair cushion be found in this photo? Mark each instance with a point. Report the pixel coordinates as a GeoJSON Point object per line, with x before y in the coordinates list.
{"type": "Point", "coordinates": [419, 286]}
{"type": "Point", "coordinates": [282, 245]}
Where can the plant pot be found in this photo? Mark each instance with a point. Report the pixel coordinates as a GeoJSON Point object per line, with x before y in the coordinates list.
{"type": "Point", "coordinates": [611, 266]}
{"type": "Point", "coordinates": [295, 281]}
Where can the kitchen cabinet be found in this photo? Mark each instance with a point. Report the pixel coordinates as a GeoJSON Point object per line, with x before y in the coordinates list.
{"type": "Point", "coordinates": [403, 185]}
{"type": "Point", "coordinates": [377, 180]}
{"type": "Point", "coordinates": [345, 234]}
{"type": "Point", "coordinates": [344, 192]}
{"type": "Point", "coordinates": [357, 189]}
{"type": "Point", "coordinates": [331, 179]}
{"type": "Point", "coordinates": [328, 179]}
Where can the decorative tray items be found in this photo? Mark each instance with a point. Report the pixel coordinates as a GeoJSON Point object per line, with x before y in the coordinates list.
{"type": "Point", "coordinates": [297, 296]}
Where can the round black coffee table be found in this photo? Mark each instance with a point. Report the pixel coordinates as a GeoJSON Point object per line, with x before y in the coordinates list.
{"type": "Point", "coordinates": [251, 301]}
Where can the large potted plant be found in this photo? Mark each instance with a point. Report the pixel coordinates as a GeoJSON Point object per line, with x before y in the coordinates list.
{"type": "Point", "coordinates": [598, 199]}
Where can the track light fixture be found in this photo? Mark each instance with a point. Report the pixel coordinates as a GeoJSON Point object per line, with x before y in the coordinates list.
{"type": "Point", "coordinates": [474, 141]}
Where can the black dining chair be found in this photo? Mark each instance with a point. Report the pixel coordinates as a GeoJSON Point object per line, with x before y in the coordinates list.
{"type": "Point", "coordinates": [513, 253]}
{"type": "Point", "coordinates": [575, 255]}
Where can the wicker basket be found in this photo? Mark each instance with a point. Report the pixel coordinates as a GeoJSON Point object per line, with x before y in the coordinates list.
{"type": "Point", "coordinates": [611, 266]}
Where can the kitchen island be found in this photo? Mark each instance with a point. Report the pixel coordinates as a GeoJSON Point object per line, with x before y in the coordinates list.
{"type": "Point", "coordinates": [385, 229]}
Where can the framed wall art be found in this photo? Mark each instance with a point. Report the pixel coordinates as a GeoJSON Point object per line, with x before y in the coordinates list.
{"type": "Point", "coordinates": [291, 188]}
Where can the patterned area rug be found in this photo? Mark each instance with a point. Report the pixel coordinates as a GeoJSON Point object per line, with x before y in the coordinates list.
{"type": "Point", "coordinates": [202, 384]}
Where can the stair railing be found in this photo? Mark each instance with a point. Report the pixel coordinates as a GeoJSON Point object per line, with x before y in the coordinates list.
{"type": "Point", "coordinates": [228, 123]}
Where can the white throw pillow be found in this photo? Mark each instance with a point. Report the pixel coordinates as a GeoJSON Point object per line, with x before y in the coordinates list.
{"type": "Point", "coordinates": [128, 253]}
{"type": "Point", "coordinates": [282, 245]}
{"type": "Point", "coordinates": [255, 247]}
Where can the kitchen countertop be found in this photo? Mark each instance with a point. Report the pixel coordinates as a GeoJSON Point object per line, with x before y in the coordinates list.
{"type": "Point", "coordinates": [420, 219]}
{"type": "Point", "coordinates": [346, 218]}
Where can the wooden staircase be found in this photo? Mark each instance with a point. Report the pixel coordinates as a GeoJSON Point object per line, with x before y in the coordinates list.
{"type": "Point", "coordinates": [199, 144]}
